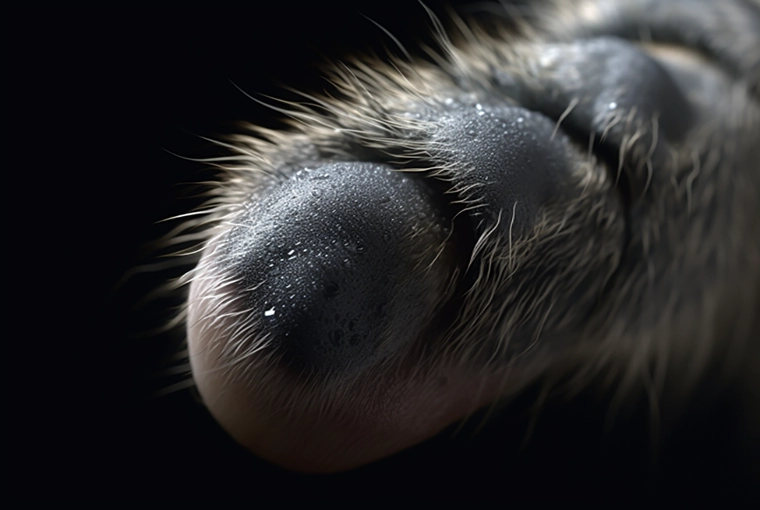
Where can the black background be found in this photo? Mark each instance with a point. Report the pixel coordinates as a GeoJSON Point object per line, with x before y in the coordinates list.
{"type": "Point", "coordinates": [98, 101]}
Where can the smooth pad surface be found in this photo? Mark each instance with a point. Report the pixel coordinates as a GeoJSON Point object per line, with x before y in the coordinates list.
{"type": "Point", "coordinates": [335, 264]}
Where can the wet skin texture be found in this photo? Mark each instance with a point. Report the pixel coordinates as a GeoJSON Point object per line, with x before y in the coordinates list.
{"type": "Point", "coordinates": [583, 294]}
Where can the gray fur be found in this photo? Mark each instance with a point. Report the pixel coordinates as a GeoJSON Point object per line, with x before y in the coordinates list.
{"type": "Point", "coordinates": [622, 249]}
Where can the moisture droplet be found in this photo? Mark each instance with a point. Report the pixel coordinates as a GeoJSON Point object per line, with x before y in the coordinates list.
{"type": "Point", "coordinates": [336, 336]}
{"type": "Point", "coordinates": [612, 105]}
{"type": "Point", "coordinates": [519, 120]}
{"type": "Point", "coordinates": [331, 290]}
{"type": "Point", "coordinates": [269, 313]}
